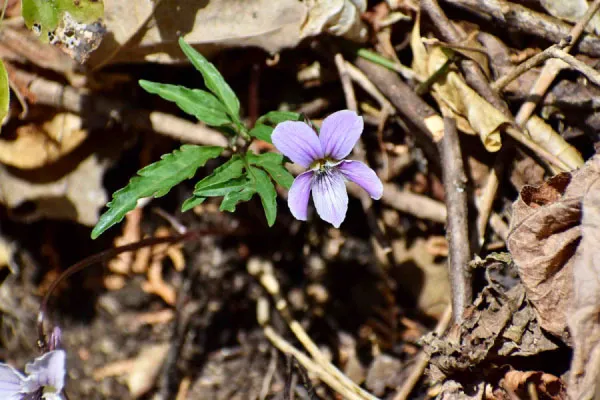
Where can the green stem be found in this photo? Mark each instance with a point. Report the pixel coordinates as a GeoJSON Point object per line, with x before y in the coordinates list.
{"type": "Point", "coordinates": [379, 59]}
{"type": "Point", "coordinates": [3, 11]}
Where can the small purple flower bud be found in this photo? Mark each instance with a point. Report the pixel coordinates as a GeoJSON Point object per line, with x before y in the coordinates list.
{"type": "Point", "coordinates": [55, 339]}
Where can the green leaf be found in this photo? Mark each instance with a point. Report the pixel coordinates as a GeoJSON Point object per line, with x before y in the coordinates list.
{"type": "Point", "coordinates": [231, 199]}
{"type": "Point", "coordinates": [199, 103]}
{"type": "Point", "coordinates": [191, 203]}
{"type": "Point", "coordinates": [266, 190]}
{"type": "Point", "coordinates": [47, 15]}
{"type": "Point", "coordinates": [213, 80]}
{"type": "Point", "coordinates": [155, 180]}
{"type": "Point", "coordinates": [276, 117]}
{"type": "Point", "coordinates": [262, 132]}
{"type": "Point", "coordinates": [230, 170]}
{"type": "Point", "coordinates": [4, 92]}
{"type": "Point", "coordinates": [273, 164]}
{"type": "Point", "coordinates": [223, 188]}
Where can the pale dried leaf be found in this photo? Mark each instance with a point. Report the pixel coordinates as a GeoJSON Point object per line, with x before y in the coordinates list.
{"type": "Point", "coordinates": [147, 31]}
{"type": "Point", "coordinates": [146, 367]}
{"type": "Point", "coordinates": [338, 17]}
{"type": "Point", "coordinates": [420, 57]}
{"type": "Point", "coordinates": [77, 195]}
{"type": "Point", "coordinates": [550, 140]}
{"type": "Point", "coordinates": [36, 146]}
{"type": "Point", "coordinates": [474, 114]}
{"type": "Point", "coordinates": [585, 308]}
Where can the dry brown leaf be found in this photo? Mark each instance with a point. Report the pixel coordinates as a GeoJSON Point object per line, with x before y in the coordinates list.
{"type": "Point", "coordinates": [585, 307]}
{"type": "Point", "coordinates": [148, 31]}
{"type": "Point", "coordinates": [421, 274]}
{"type": "Point", "coordinates": [76, 195]}
{"type": "Point", "coordinates": [474, 114]}
{"type": "Point", "coordinates": [544, 234]}
{"type": "Point", "coordinates": [547, 386]}
{"type": "Point", "coordinates": [500, 323]}
{"type": "Point", "coordinates": [550, 140]}
{"type": "Point", "coordinates": [36, 146]}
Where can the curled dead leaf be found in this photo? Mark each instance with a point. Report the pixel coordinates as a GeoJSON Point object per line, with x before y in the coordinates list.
{"type": "Point", "coordinates": [517, 383]}
{"type": "Point", "coordinates": [550, 140]}
{"type": "Point", "coordinates": [544, 234]}
{"type": "Point", "coordinates": [474, 115]}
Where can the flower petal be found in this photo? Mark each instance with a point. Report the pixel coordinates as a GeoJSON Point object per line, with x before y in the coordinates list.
{"type": "Point", "coordinates": [47, 370]}
{"type": "Point", "coordinates": [10, 382]}
{"type": "Point", "coordinates": [299, 194]}
{"type": "Point", "coordinates": [339, 133]}
{"type": "Point", "coordinates": [363, 176]}
{"type": "Point", "coordinates": [330, 196]}
{"type": "Point", "coordinates": [298, 142]}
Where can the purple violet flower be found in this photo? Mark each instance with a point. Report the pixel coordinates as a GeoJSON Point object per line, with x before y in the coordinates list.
{"type": "Point", "coordinates": [45, 378]}
{"type": "Point", "coordinates": [324, 156]}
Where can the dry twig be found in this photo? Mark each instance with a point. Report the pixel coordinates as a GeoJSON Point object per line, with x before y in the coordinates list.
{"type": "Point", "coordinates": [510, 14]}
{"type": "Point", "coordinates": [455, 182]}
{"type": "Point", "coordinates": [68, 98]}
{"type": "Point", "coordinates": [321, 365]}
{"type": "Point", "coordinates": [553, 67]}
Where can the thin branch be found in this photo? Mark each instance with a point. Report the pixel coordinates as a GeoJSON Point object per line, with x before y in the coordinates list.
{"type": "Point", "coordinates": [263, 271]}
{"type": "Point", "coordinates": [525, 66]}
{"type": "Point", "coordinates": [552, 68]}
{"type": "Point", "coordinates": [517, 17]}
{"type": "Point", "coordinates": [340, 63]}
{"type": "Point", "coordinates": [426, 123]}
{"type": "Point", "coordinates": [556, 52]}
{"type": "Point", "coordinates": [455, 182]}
{"type": "Point", "coordinates": [68, 98]}
{"type": "Point", "coordinates": [364, 82]}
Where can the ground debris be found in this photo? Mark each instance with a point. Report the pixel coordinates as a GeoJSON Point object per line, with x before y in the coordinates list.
{"type": "Point", "coordinates": [500, 324]}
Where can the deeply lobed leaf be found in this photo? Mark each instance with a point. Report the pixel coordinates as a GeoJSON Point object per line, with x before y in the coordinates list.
{"type": "Point", "coordinates": [273, 164]}
{"type": "Point", "coordinates": [155, 180]}
{"type": "Point", "coordinates": [213, 80]}
{"type": "Point", "coordinates": [199, 103]}
{"type": "Point", "coordinates": [266, 190]}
